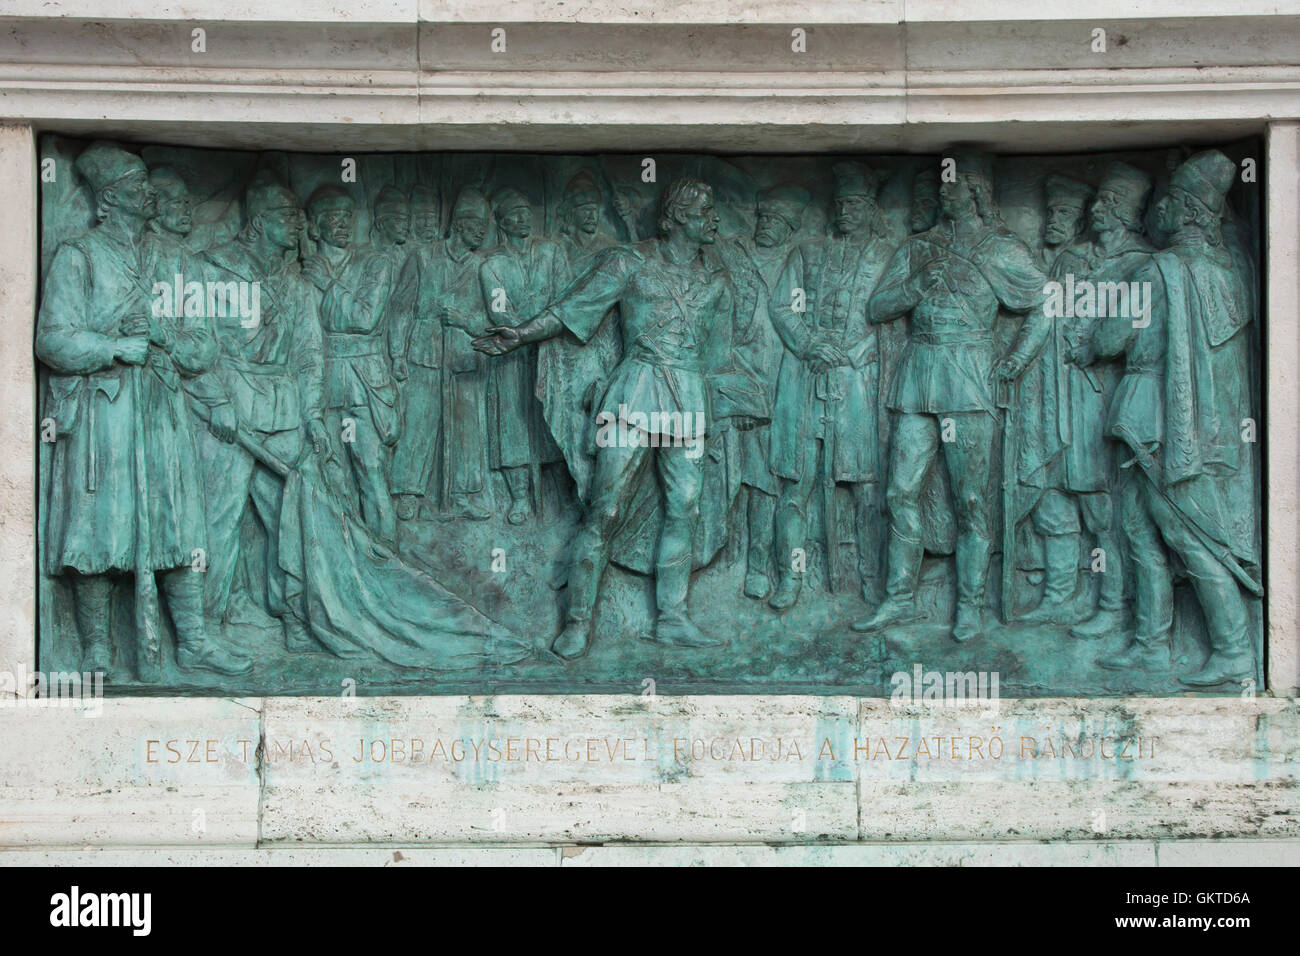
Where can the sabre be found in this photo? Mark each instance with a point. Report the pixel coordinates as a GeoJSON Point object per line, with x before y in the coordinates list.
{"type": "Point", "coordinates": [1143, 456]}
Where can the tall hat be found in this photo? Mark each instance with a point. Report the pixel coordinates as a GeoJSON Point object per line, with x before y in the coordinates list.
{"type": "Point", "coordinates": [854, 179]}
{"type": "Point", "coordinates": [390, 199]}
{"type": "Point", "coordinates": [103, 164]}
{"type": "Point", "coordinates": [925, 183]}
{"type": "Point", "coordinates": [1064, 191]}
{"type": "Point", "coordinates": [975, 166]}
{"type": "Point", "coordinates": [163, 176]}
{"type": "Point", "coordinates": [785, 201]}
{"type": "Point", "coordinates": [326, 193]}
{"type": "Point", "coordinates": [1129, 185]}
{"type": "Point", "coordinates": [582, 190]}
{"type": "Point", "coordinates": [1208, 176]}
{"type": "Point", "coordinates": [424, 196]}
{"type": "Point", "coordinates": [470, 201]}
{"type": "Point", "coordinates": [265, 195]}
{"type": "Point", "coordinates": [507, 198]}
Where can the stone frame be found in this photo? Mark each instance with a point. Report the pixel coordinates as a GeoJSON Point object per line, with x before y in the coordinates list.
{"type": "Point", "coordinates": [1225, 768]}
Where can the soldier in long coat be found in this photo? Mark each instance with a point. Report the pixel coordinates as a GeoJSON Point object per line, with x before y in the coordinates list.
{"type": "Point", "coordinates": [354, 284]}
{"type": "Point", "coordinates": [755, 264]}
{"type": "Point", "coordinates": [1188, 486]}
{"type": "Point", "coordinates": [825, 423]}
{"type": "Point", "coordinates": [271, 368]}
{"type": "Point", "coordinates": [466, 491]}
{"type": "Point", "coordinates": [1079, 483]}
{"type": "Point", "coordinates": [124, 457]}
{"type": "Point", "coordinates": [518, 278]}
{"type": "Point", "coordinates": [416, 333]}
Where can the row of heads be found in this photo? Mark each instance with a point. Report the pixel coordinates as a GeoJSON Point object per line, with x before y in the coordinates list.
{"type": "Point", "coordinates": [1205, 177]}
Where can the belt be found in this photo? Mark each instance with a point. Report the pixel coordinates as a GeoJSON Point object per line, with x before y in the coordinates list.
{"type": "Point", "coordinates": [665, 361]}
{"type": "Point", "coordinates": [953, 338]}
{"type": "Point", "coordinates": [348, 345]}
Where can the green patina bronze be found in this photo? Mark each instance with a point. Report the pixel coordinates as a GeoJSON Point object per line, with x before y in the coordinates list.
{"type": "Point", "coordinates": [488, 423]}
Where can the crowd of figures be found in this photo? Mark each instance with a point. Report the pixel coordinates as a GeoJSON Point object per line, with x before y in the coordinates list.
{"type": "Point", "coordinates": [1086, 404]}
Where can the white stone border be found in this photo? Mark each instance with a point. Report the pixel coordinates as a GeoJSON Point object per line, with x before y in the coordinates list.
{"type": "Point", "coordinates": [1229, 767]}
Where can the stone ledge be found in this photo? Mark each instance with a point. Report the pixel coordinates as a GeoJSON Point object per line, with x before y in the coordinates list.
{"type": "Point", "coordinates": [1136, 853]}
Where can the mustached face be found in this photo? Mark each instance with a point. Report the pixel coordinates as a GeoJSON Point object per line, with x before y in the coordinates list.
{"type": "Point", "coordinates": [516, 222]}
{"type": "Point", "coordinates": [587, 218]}
{"type": "Point", "coordinates": [1104, 211]}
{"type": "Point", "coordinates": [852, 212]}
{"type": "Point", "coordinates": [424, 225]}
{"type": "Point", "coordinates": [471, 228]}
{"type": "Point", "coordinates": [1062, 223]}
{"type": "Point", "coordinates": [1172, 212]}
{"type": "Point", "coordinates": [956, 200]}
{"type": "Point", "coordinates": [333, 222]}
{"type": "Point", "coordinates": [771, 229]}
{"type": "Point", "coordinates": [132, 195]}
{"type": "Point", "coordinates": [393, 226]}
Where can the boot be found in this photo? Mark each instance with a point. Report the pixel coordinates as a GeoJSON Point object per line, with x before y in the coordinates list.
{"type": "Point", "coordinates": [1062, 559]}
{"type": "Point", "coordinates": [92, 596]}
{"type": "Point", "coordinates": [1104, 623]}
{"type": "Point", "coordinates": [1232, 657]}
{"type": "Point", "coordinates": [463, 506]}
{"type": "Point", "coordinates": [196, 650]}
{"type": "Point", "coordinates": [904, 567]}
{"type": "Point", "coordinates": [1146, 655]}
{"type": "Point", "coordinates": [1111, 615]}
{"type": "Point", "coordinates": [573, 641]}
{"type": "Point", "coordinates": [972, 559]}
{"type": "Point", "coordinates": [757, 584]}
{"type": "Point", "coordinates": [517, 482]}
{"type": "Point", "coordinates": [969, 622]}
{"type": "Point", "coordinates": [297, 637]}
{"type": "Point", "coordinates": [787, 592]}
{"type": "Point", "coordinates": [760, 509]}
{"type": "Point", "coordinates": [675, 629]}
{"type": "Point", "coordinates": [1223, 668]}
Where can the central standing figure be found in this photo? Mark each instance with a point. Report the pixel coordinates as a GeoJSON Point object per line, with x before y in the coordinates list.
{"type": "Point", "coordinates": [672, 300]}
{"type": "Point", "coordinates": [951, 281]}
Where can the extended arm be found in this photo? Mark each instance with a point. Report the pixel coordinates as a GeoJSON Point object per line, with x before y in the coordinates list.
{"type": "Point", "coordinates": [580, 308]}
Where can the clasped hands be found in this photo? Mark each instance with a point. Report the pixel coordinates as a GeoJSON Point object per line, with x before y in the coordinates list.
{"type": "Point", "coordinates": [138, 333]}
{"type": "Point", "coordinates": [498, 340]}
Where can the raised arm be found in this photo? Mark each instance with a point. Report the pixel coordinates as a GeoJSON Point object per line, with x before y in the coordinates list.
{"type": "Point", "coordinates": [897, 292]}
{"type": "Point", "coordinates": [579, 308]}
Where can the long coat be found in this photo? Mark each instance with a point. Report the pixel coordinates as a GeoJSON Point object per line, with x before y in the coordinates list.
{"type": "Point", "coordinates": [837, 277]}
{"type": "Point", "coordinates": [529, 279]}
{"type": "Point", "coordinates": [91, 524]}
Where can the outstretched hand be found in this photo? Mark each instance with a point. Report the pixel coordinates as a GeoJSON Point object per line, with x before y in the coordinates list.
{"type": "Point", "coordinates": [499, 340]}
